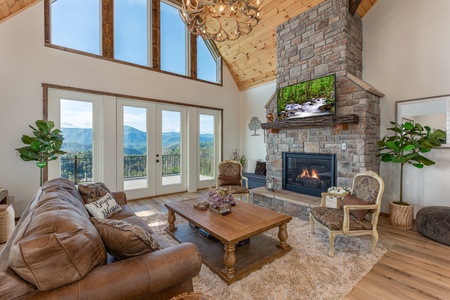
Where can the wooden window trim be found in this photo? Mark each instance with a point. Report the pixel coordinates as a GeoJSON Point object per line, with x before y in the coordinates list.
{"type": "Point", "coordinates": [108, 42]}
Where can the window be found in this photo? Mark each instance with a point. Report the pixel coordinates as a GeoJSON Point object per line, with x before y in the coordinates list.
{"type": "Point", "coordinates": [76, 24]}
{"type": "Point", "coordinates": [206, 61]}
{"type": "Point", "coordinates": [173, 41]}
{"type": "Point", "coordinates": [131, 31]}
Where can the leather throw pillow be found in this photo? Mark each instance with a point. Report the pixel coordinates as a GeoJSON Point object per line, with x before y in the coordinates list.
{"type": "Point", "coordinates": [124, 240]}
{"type": "Point", "coordinates": [103, 207]}
{"type": "Point", "coordinates": [349, 199]}
{"type": "Point", "coordinates": [229, 179]}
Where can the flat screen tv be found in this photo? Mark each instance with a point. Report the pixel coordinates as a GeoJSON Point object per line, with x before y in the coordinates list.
{"type": "Point", "coordinates": [310, 98]}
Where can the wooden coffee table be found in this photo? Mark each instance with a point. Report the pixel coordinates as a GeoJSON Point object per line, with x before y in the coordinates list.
{"type": "Point", "coordinates": [220, 253]}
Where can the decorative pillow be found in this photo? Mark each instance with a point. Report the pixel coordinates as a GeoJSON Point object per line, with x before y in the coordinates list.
{"type": "Point", "coordinates": [230, 179]}
{"type": "Point", "coordinates": [260, 168]}
{"type": "Point", "coordinates": [349, 199]}
{"type": "Point", "coordinates": [124, 240]}
{"type": "Point", "coordinates": [103, 207]}
{"type": "Point", "coordinates": [92, 192]}
{"type": "Point", "coordinates": [251, 165]}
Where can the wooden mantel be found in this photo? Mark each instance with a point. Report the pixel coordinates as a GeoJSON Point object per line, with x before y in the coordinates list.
{"type": "Point", "coordinates": [323, 121]}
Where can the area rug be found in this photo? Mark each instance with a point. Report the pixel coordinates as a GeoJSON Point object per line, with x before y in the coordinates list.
{"type": "Point", "coordinates": [306, 272]}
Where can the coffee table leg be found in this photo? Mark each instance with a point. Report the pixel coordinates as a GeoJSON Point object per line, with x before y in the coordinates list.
{"type": "Point", "coordinates": [171, 218]}
{"type": "Point", "coordinates": [283, 235]}
{"type": "Point", "coordinates": [230, 260]}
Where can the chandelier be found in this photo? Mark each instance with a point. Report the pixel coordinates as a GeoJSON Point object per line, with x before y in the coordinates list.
{"type": "Point", "coordinates": [221, 20]}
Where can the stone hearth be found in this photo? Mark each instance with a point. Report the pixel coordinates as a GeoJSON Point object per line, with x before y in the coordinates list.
{"type": "Point", "coordinates": [327, 40]}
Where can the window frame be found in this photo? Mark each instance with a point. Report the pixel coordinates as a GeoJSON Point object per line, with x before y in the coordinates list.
{"type": "Point", "coordinates": [107, 43]}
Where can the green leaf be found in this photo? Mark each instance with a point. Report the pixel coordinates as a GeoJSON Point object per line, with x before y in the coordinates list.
{"type": "Point", "coordinates": [392, 145]}
{"type": "Point", "coordinates": [419, 166]}
{"type": "Point", "coordinates": [27, 139]}
{"type": "Point", "coordinates": [408, 126]}
{"type": "Point", "coordinates": [41, 164]}
{"type": "Point", "coordinates": [386, 157]}
{"type": "Point", "coordinates": [408, 147]}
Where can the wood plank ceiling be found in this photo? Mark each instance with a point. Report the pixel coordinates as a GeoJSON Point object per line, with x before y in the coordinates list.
{"type": "Point", "coordinates": [251, 59]}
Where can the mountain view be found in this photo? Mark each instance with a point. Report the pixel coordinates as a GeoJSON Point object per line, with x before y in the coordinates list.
{"type": "Point", "coordinates": [80, 140]}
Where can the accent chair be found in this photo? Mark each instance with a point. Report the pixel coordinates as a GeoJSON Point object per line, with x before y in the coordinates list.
{"type": "Point", "coordinates": [357, 214]}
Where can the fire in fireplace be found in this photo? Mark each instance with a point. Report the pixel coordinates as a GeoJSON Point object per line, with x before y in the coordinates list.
{"type": "Point", "coordinates": [308, 173]}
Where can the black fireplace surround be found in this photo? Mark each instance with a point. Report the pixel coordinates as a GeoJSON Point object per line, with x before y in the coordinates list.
{"type": "Point", "coordinates": [308, 173]}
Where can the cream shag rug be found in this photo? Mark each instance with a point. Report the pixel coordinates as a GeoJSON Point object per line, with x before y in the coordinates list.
{"type": "Point", "coordinates": [306, 272]}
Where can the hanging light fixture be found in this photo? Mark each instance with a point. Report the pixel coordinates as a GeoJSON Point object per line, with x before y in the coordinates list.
{"type": "Point", "coordinates": [221, 20]}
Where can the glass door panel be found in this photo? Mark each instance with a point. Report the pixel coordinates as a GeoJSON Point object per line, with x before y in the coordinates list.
{"type": "Point", "coordinates": [207, 148]}
{"type": "Point", "coordinates": [77, 128]}
{"type": "Point", "coordinates": [135, 147]}
{"type": "Point", "coordinates": [170, 149]}
{"type": "Point", "coordinates": [209, 134]}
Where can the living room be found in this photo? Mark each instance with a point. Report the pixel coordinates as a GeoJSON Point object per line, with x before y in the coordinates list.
{"type": "Point", "coordinates": [404, 57]}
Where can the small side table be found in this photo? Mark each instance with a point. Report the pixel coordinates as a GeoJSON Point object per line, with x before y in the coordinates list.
{"type": "Point", "coordinates": [7, 222]}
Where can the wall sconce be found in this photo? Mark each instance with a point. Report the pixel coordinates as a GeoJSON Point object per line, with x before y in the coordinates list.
{"type": "Point", "coordinates": [254, 125]}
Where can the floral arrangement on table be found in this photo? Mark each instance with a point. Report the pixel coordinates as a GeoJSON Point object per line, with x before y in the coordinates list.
{"type": "Point", "coordinates": [339, 190]}
{"type": "Point", "coordinates": [220, 200]}
{"type": "Point", "coordinates": [220, 197]}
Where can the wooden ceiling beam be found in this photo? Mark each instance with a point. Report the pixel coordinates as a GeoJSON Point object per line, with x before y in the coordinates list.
{"type": "Point", "coordinates": [354, 6]}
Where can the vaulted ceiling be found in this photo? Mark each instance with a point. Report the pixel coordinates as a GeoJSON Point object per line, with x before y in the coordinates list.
{"type": "Point", "coordinates": [251, 59]}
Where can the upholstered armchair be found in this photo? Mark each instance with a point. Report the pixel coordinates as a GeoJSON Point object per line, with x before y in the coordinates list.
{"type": "Point", "coordinates": [230, 176]}
{"type": "Point", "coordinates": [358, 212]}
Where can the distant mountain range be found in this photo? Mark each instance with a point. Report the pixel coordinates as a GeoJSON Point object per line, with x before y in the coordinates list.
{"type": "Point", "coordinates": [80, 140]}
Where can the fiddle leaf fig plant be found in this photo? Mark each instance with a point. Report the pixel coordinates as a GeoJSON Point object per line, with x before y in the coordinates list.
{"type": "Point", "coordinates": [43, 146]}
{"type": "Point", "coordinates": [406, 146]}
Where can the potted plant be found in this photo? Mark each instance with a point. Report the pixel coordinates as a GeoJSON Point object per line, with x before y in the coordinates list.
{"type": "Point", "coordinates": [406, 146]}
{"type": "Point", "coordinates": [44, 146]}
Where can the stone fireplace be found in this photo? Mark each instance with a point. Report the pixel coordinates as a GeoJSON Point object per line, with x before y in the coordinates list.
{"type": "Point", "coordinates": [325, 40]}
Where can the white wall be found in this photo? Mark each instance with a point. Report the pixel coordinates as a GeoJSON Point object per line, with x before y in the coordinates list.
{"type": "Point", "coordinates": [25, 63]}
{"type": "Point", "coordinates": [252, 104]}
{"type": "Point", "coordinates": [406, 55]}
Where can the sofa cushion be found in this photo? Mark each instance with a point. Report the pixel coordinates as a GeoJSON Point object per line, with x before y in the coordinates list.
{"type": "Point", "coordinates": [124, 240]}
{"type": "Point", "coordinates": [103, 207]}
{"type": "Point", "coordinates": [55, 236]}
{"type": "Point", "coordinates": [93, 191]}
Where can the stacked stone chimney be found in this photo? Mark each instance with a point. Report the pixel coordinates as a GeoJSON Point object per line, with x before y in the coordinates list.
{"type": "Point", "coordinates": [327, 40]}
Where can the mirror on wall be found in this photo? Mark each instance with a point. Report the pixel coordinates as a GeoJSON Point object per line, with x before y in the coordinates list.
{"type": "Point", "coordinates": [433, 112]}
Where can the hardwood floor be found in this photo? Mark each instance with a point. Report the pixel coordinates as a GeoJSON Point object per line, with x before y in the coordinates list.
{"type": "Point", "coordinates": [414, 267]}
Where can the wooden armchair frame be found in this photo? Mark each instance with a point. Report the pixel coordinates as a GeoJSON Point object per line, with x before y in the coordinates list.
{"type": "Point", "coordinates": [374, 212]}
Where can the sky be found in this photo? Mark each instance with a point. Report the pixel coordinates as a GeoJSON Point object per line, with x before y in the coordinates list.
{"type": "Point", "coordinates": [131, 32]}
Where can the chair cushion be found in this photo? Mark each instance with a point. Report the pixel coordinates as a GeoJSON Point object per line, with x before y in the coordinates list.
{"type": "Point", "coordinates": [366, 187]}
{"type": "Point", "coordinates": [238, 189]}
{"type": "Point", "coordinates": [349, 199]}
{"type": "Point", "coordinates": [229, 179]}
{"type": "Point", "coordinates": [333, 218]}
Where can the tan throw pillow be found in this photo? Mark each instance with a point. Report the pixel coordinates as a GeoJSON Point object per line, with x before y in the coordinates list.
{"type": "Point", "coordinates": [93, 191]}
{"type": "Point", "coordinates": [230, 179]}
{"type": "Point", "coordinates": [124, 240]}
{"type": "Point", "coordinates": [103, 207]}
{"type": "Point", "coordinates": [349, 199]}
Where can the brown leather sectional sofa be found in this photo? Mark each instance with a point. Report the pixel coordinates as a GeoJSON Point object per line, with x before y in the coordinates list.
{"type": "Point", "coordinates": [57, 253]}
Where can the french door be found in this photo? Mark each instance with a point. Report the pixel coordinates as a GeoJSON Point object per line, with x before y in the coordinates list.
{"type": "Point", "coordinates": [151, 143]}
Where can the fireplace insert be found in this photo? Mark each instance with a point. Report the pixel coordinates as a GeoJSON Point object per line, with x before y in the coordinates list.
{"type": "Point", "coordinates": [308, 173]}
